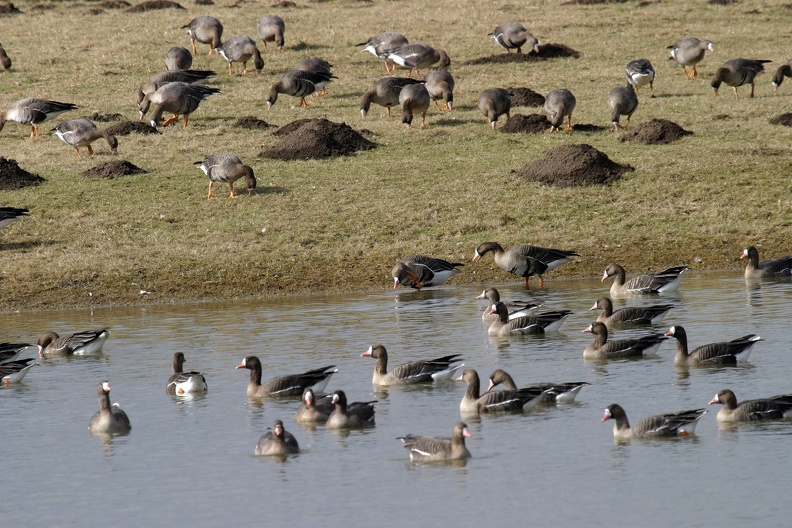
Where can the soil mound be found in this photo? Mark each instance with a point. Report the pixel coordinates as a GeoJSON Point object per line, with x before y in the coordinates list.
{"type": "Point", "coordinates": [593, 2]}
{"type": "Point", "coordinates": [104, 118]}
{"type": "Point", "coordinates": [128, 127]}
{"type": "Point", "coordinates": [316, 139]}
{"type": "Point", "coordinates": [115, 4]}
{"type": "Point", "coordinates": [546, 51]}
{"type": "Point", "coordinates": [12, 176]}
{"type": "Point", "coordinates": [153, 5]}
{"type": "Point", "coordinates": [656, 132]}
{"type": "Point", "coordinates": [588, 127]}
{"type": "Point", "coordinates": [251, 122]}
{"type": "Point", "coordinates": [113, 169]}
{"type": "Point", "coordinates": [573, 166]}
{"type": "Point", "coordinates": [783, 119]}
{"type": "Point", "coordinates": [204, 2]}
{"type": "Point", "coordinates": [8, 8]}
{"type": "Point", "coordinates": [525, 97]}
{"type": "Point", "coordinates": [526, 124]}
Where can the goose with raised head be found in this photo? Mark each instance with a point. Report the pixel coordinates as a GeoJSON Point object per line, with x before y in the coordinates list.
{"type": "Point", "coordinates": [494, 401]}
{"type": "Point", "coordinates": [737, 72]}
{"type": "Point", "coordinates": [558, 105]}
{"type": "Point", "coordinates": [311, 410]}
{"type": "Point", "coordinates": [182, 382]}
{"type": "Point", "coordinates": [538, 324]}
{"type": "Point", "coordinates": [603, 349]}
{"type": "Point", "coordinates": [526, 260]}
{"type": "Point", "coordinates": [420, 271]}
{"type": "Point", "coordinates": [277, 442]}
{"type": "Point", "coordinates": [109, 419]}
{"type": "Point", "coordinates": [564, 392]}
{"type": "Point", "coordinates": [515, 308]}
{"type": "Point", "coordinates": [681, 423]}
{"type": "Point", "coordinates": [206, 30]}
{"type": "Point", "coordinates": [779, 267]}
{"type": "Point", "coordinates": [353, 416]}
{"type": "Point", "coordinates": [666, 281]}
{"type": "Point", "coordinates": [493, 103]}
{"type": "Point", "coordinates": [34, 111]}
{"type": "Point", "coordinates": [689, 51]}
{"type": "Point", "coordinates": [772, 408]}
{"type": "Point", "coordinates": [412, 372]}
{"type": "Point", "coordinates": [86, 343]}
{"type": "Point", "coordinates": [630, 315]}
{"type": "Point", "coordinates": [712, 354]}
{"type": "Point", "coordinates": [284, 386]}
{"type": "Point", "coordinates": [513, 35]}
{"type": "Point", "coordinates": [270, 28]}
{"type": "Point", "coordinates": [434, 449]}
{"type": "Point", "coordinates": [385, 92]}
{"type": "Point", "coordinates": [82, 132]}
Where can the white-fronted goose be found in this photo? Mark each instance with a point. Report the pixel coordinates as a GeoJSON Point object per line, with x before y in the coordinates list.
{"type": "Point", "coordinates": [440, 85]}
{"type": "Point", "coordinates": [87, 343]}
{"type": "Point", "coordinates": [82, 132]}
{"type": "Point", "coordinates": [5, 60]}
{"type": "Point", "coordinates": [206, 30]}
{"type": "Point", "coordinates": [161, 79]}
{"type": "Point", "coordinates": [564, 392]}
{"type": "Point", "coordinates": [271, 28]}
{"type": "Point", "coordinates": [227, 168]}
{"type": "Point", "coordinates": [353, 416]}
{"type": "Point", "coordinates": [184, 382]}
{"type": "Point", "coordinates": [312, 411]}
{"type": "Point", "coordinates": [241, 48]}
{"type": "Point", "coordinates": [33, 112]}
{"type": "Point", "coordinates": [688, 52]}
{"type": "Point", "coordinates": [422, 371]}
{"type": "Point", "coordinates": [9, 215]}
{"type": "Point", "coordinates": [772, 408]}
{"type": "Point", "coordinates": [418, 57]}
{"type": "Point", "coordinates": [109, 419]}
{"type": "Point", "coordinates": [178, 58]}
{"type": "Point", "coordinates": [11, 351]}
{"type": "Point", "coordinates": [284, 386]}
{"type": "Point", "coordinates": [420, 271]}
{"type": "Point", "coordinates": [495, 401]}
{"type": "Point", "coordinates": [178, 98]}
{"type": "Point", "coordinates": [640, 72]}
{"type": "Point", "coordinates": [558, 105]}
{"type": "Point", "coordinates": [681, 423]}
{"type": "Point", "coordinates": [278, 441]}
{"type": "Point", "coordinates": [630, 315]}
{"type": "Point", "coordinates": [14, 371]}
{"type": "Point", "coordinates": [666, 281]}
{"type": "Point", "coordinates": [385, 92]}
{"type": "Point", "coordinates": [601, 348]}
{"type": "Point", "coordinates": [737, 72]}
{"type": "Point", "coordinates": [515, 308]}
{"type": "Point", "coordinates": [712, 354]}
{"type": "Point", "coordinates": [435, 449]}
{"type": "Point", "coordinates": [526, 260]}
{"type": "Point", "coordinates": [783, 71]}
{"type": "Point", "coordinates": [493, 103]}
{"type": "Point", "coordinates": [768, 268]}
{"type": "Point", "coordinates": [622, 101]}
{"type": "Point", "coordinates": [513, 35]}
{"type": "Point", "coordinates": [414, 99]}
{"type": "Point", "coordinates": [315, 64]}
{"type": "Point", "coordinates": [380, 45]}
{"type": "Point", "coordinates": [298, 83]}
{"type": "Point", "coordinates": [526, 325]}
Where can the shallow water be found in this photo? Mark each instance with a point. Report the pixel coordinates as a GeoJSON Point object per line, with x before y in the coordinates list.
{"type": "Point", "coordinates": [191, 461]}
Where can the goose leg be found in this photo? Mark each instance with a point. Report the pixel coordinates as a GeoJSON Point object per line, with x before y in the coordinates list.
{"type": "Point", "coordinates": [303, 103]}
{"type": "Point", "coordinates": [231, 186]}
{"type": "Point", "coordinates": [437, 105]}
{"type": "Point", "coordinates": [170, 120]}
{"type": "Point", "coordinates": [693, 72]}
{"type": "Point", "coordinates": [737, 95]}
{"type": "Point", "coordinates": [78, 152]}
{"type": "Point", "coordinates": [185, 120]}
{"type": "Point", "coordinates": [90, 150]}
{"type": "Point", "coordinates": [651, 87]}
{"type": "Point", "coordinates": [192, 41]}
{"type": "Point", "coordinates": [753, 84]}
{"type": "Point", "coordinates": [569, 123]}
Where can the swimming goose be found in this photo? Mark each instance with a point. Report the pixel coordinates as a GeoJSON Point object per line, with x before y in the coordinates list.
{"type": "Point", "coordinates": [87, 343]}
{"type": "Point", "coordinates": [5, 60]}
{"type": "Point", "coordinates": [284, 386]}
{"type": "Point", "coordinates": [184, 382]}
{"type": "Point", "coordinates": [688, 52]}
{"type": "Point", "coordinates": [432, 448]}
{"type": "Point", "coordinates": [526, 260]}
{"type": "Point", "coordinates": [681, 423]}
{"type": "Point", "coordinates": [768, 268]}
{"type": "Point", "coordinates": [271, 28]}
{"type": "Point", "coordinates": [11, 351]}
{"type": "Point", "coordinates": [82, 132]}
{"type": "Point", "coordinates": [353, 416]}
{"type": "Point", "coordinates": [665, 281]}
{"type": "Point", "coordinates": [495, 401]}
{"type": "Point", "coordinates": [622, 101]}
{"type": "Point", "coordinates": [178, 59]}
{"type": "Point", "coordinates": [298, 83]}
{"type": "Point", "coordinates": [227, 168]}
{"type": "Point", "coordinates": [601, 348]}
{"type": "Point", "coordinates": [493, 103]}
{"type": "Point", "coordinates": [33, 112]}
{"type": "Point", "coordinates": [773, 408]}
{"type": "Point", "coordinates": [631, 315]}
{"type": "Point", "coordinates": [178, 98]}
{"type": "Point", "coordinates": [558, 105]}
{"type": "Point", "coordinates": [420, 271]}
{"type": "Point", "coordinates": [380, 45]}
{"type": "Point", "coordinates": [414, 99]}
{"type": "Point", "coordinates": [440, 85]}
{"type": "Point", "coordinates": [417, 57]}
{"type": "Point", "coordinates": [312, 411]}
{"type": "Point", "coordinates": [14, 371]}
{"type": "Point", "coordinates": [422, 371]}
{"type": "Point", "coordinates": [206, 30]}
{"type": "Point", "coordinates": [526, 325]}
{"type": "Point", "coordinates": [737, 72]}
{"type": "Point", "coordinates": [783, 71]}
{"type": "Point", "coordinates": [277, 442]}
{"type": "Point", "coordinates": [241, 48]}
{"type": "Point", "coordinates": [109, 419]}
{"type": "Point", "coordinates": [161, 79]}
{"type": "Point", "coordinates": [513, 35]}
{"type": "Point", "coordinates": [9, 215]}
{"type": "Point", "coordinates": [712, 354]}
{"type": "Point", "coordinates": [385, 92]}
{"type": "Point", "coordinates": [515, 308]}
{"type": "Point", "coordinates": [564, 392]}
{"type": "Point", "coordinates": [640, 72]}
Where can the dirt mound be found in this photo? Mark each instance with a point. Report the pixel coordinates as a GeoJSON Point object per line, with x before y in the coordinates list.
{"type": "Point", "coordinates": [125, 128]}
{"type": "Point", "coordinates": [251, 122]}
{"type": "Point", "coordinates": [722, 2]}
{"type": "Point", "coordinates": [525, 97]}
{"type": "Point", "coordinates": [656, 132]}
{"type": "Point", "coordinates": [12, 176]}
{"type": "Point", "coordinates": [546, 51]}
{"type": "Point", "coordinates": [115, 4]}
{"type": "Point", "coordinates": [593, 2]}
{"type": "Point", "coordinates": [153, 5]}
{"type": "Point", "coordinates": [113, 169]}
{"type": "Point", "coordinates": [8, 8]}
{"type": "Point", "coordinates": [783, 119]}
{"type": "Point", "coordinates": [204, 2]}
{"type": "Point", "coordinates": [526, 124]}
{"type": "Point", "coordinates": [573, 166]}
{"type": "Point", "coordinates": [104, 118]}
{"type": "Point", "coordinates": [316, 139]}
{"type": "Point", "coordinates": [588, 127]}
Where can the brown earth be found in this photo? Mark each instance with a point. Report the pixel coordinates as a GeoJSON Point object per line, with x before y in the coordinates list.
{"type": "Point", "coordinates": [8, 8]}
{"type": "Point", "coordinates": [125, 128]}
{"type": "Point", "coordinates": [12, 176]}
{"type": "Point", "coordinates": [525, 97]}
{"type": "Point", "coordinates": [251, 122]}
{"type": "Point", "coordinates": [588, 127]}
{"type": "Point", "coordinates": [783, 119]}
{"type": "Point", "coordinates": [546, 51]}
{"type": "Point", "coordinates": [656, 132]}
{"type": "Point", "coordinates": [115, 4]}
{"type": "Point", "coordinates": [113, 169]}
{"type": "Point", "coordinates": [526, 124]}
{"type": "Point", "coordinates": [153, 5]}
{"type": "Point", "coordinates": [104, 118]}
{"type": "Point", "coordinates": [573, 166]}
{"type": "Point", "coordinates": [316, 139]}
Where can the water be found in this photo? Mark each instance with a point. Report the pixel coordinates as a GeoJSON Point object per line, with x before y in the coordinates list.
{"type": "Point", "coordinates": [191, 462]}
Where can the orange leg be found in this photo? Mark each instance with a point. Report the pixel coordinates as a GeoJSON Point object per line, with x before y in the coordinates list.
{"type": "Point", "coordinates": [541, 281]}
{"type": "Point", "coordinates": [230, 70]}
{"type": "Point", "coordinates": [437, 105]}
{"type": "Point", "coordinates": [192, 41]}
{"type": "Point", "coordinates": [210, 190]}
{"type": "Point", "coordinates": [90, 150]}
{"type": "Point", "coordinates": [303, 103]}
{"type": "Point", "coordinates": [78, 152]}
{"type": "Point", "coordinates": [569, 123]}
{"type": "Point", "coordinates": [170, 120]}
{"type": "Point", "coordinates": [233, 194]}
{"type": "Point", "coordinates": [423, 119]}
{"type": "Point", "coordinates": [185, 120]}
{"type": "Point", "coordinates": [387, 109]}
{"type": "Point", "coordinates": [753, 84]}
{"type": "Point", "coordinates": [693, 72]}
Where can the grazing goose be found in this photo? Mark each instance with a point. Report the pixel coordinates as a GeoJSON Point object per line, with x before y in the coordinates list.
{"type": "Point", "coordinates": [435, 449]}
{"type": "Point", "coordinates": [515, 308]}
{"type": "Point", "coordinates": [11, 351]}
{"type": "Point", "coordinates": [713, 354]}
{"type": "Point", "coordinates": [640, 72]}
{"type": "Point", "coordinates": [526, 260]}
{"type": "Point", "coordinates": [227, 168]}
{"type": "Point", "coordinates": [271, 28]}
{"type": "Point", "coordinates": [178, 98]}
{"type": "Point", "coordinates": [82, 132]}
{"type": "Point", "coordinates": [525, 325]}
{"type": "Point", "coordinates": [422, 371]}
{"type": "Point", "coordinates": [493, 103]}
{"type": "Point", "coordinates": [14, 371]}
{"type": "Point", "coordinates": [352, 416]}
{"type": "Point", "coordinates": [737, 72]}
{"type": "Point", "coordinates": [688, 52]}
{"type": "Point", "coordinates": [87, 343]}
{"type": "Point", "coordinates": [277, 442]}
{"type": "Point", "coordinates": [768, 268]}
{"type": "Point", "coordinates": [601, 348]}
{"type": "Point", "coordinates": [681, 423]}
{"type": "Point", "coordinates": [622, 101]}
{"type": "Point", "coordinates": [773, 408]}
{"type": "Point", "coordinates": [284, 386]}
{"type": "Point", "coordinates": [666, 281]}
{"type": "Point", "coordinates": [414, 99]}
{"type": "Point", "coordinates": [109, 419]}
{"type": "Point", "coordinates": [513, 35]}
{"type": "Point", "coordinates": [631, 315]}
{"type": "Point", "coordinates": [178, 59]}
{"type": "Point", "coordinates": [298, 83]}
{"type": "Point", "coordinates": [184, 382]}
{"type": "Point", "coordinates": [5, 60]}
{"type": "Point", "coordinates": [9, 215]}
{"type": "Point", "coordinates": [558, 105]}
{"type": "Point", "coordinates": [206, 30]}
{"type": "Point", "coordinates": [161, 79]}
{"type": "Point", "coordinates": [312, 411]}
{"type": "Point", "coordinates": [385, 92]}
{"type": "Point", "coordinates": [315, 64]}
{"type": "Point", "coordinates": [495, 401]}
{"type": "Point", "coordinates": [440, 85]}
{"type": "Point", "coordinates": [241, 48]}
{"type": "Point", "coordinates": [783, 71]}
{"type": "Point", "coordinates": [33, 112]}
{"type": "Point", "coordinates": [417, 57]}
{"type": "Point", "coordinates": [380, 45]}
{"type": "Point", "coordinates": [420, 271]}
{"type": "Point", "coordinates": [564, 392]}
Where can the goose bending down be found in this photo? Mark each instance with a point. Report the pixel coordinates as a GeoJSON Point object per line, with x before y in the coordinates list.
{"type": "Point", "coordinates": [526, 325]}
{"type": "Point", "coordinates": [422, 371]}
{"type": "Point", "coordinates": [278, 441]}
{"type": "Point", "coordinates": [241, 48]}
{"type": "Point", "coordinates": [601, 348]}
{"type": "Point", "coordinates": [558, 105]}
{"type": "Point", "coordinates": [418, 57]}
{"type": "Point", "coordinates": [87, 343]}
{"type": "Point", "coordinates": [513, 35]}
{"type": "Point", "coordinates": [493, 103]}
{"type": "Point", "coordinates": [737, 72]}
{"type": "Point", "coordinates": [773, 408]}
{"type": "Point", "coordinates": [33, 112]}
{"type": "Point", "coordinates": [11, 351]}
{"type": "Point", "coordinates": [666, 281]}
{"type": "Point", "coordinates": [380, 45]}
{"type": "Point", "coordinates": [178, 98]}
{"type": "Point", "coordinates": [434, 449]}
{"type": "Point", "coordinates": [298, 83]}
{"type": "Point", "coordinates": [385, 92]}
{"type": "Point", "coordinates": [420, 271]}
{"type": "Point", "coordinates": [161, 79]}
{"type": "Point", "coordinates": [271, 28]}
{"type": "Point", "coordinates": [184, 382]}
{"type": "Point", "coordinates": [689, 51]}
{"type": "Point", "coordinates": [312, 411]}
{"type": "Point", "coordinates": [515, 308]}
{"type": "Point", "coordinates": [414, 99]}
{"type": "Point", "coordinates": [5, 60]}
{"type": "Point", "coordinates": [768, 268]}
{"type": "Point", "coordinates": [631, 315]}
{"type": "Point", "coordinates": [82, 132]}
{"type": "Point", "coordinates": [681, 423]}
{"type": "Point", "coordinates": [712, 354]}
{"type": "Point", "coordinates": [9, 215]}
{"type": "Point", "coordinates": [640, 72]}
{"type": "Point", "coordinates": [353, 416]}
{"type": "Point", "coordinates": [440, 85]}
{"type": "Point", "coordinates": [284, 386]}
{"type": "Point", "coordinates": [14, 371]}
{"type": "Point", "coordinates": [109, 419]}
{"type": "Point", "coordinates": [206, 30]}
{"type": "Point", "coordinates": [526, 260]}
{"type": "Point", "coordinates": [622, 100]}
{"type": "Point", "coordinates": [178, 59]}
{"type": "Point", "coordinates": [495, 401]}
{"type": "Point", "coordinates": [564, 392]}
{"type": "Point", "coordinates": [783, 71]}
{"type": "Point", "coordinates": [227, 168]}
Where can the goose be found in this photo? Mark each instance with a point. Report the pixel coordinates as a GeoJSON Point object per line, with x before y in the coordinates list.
{"type": "Point", "coordinates": [385, 92]}
{"type": "Point", "coordinates": [417, 57]}
{"type": "Point", "coordinates": [601, 348]}
{"type": "Point", "coordinates": [178, 98]}
{"type": "Point", "coordinates": [161, 79]}
{"type": "Point", "coordinates": [526, 325]}
{"type": "Point", "coordinates": [773, 408]}
{"type": "Point", "coordinates": [440, 85]}
{"type": "Point", "coordinates": [622, 101]}
{"type": "Point", "coordinates": [712, 354]}
{"type": "Point", "coordinates": [241, 48]}
{"type": "Point", "coordinates": [178, 59]}
{"type": "Point", "coordinates": [5, 60]}
{"type": "Point", "coordinates": [493, 103]}
{"type": "Point", "coordinates": [353, 416]}
{"type": "Point", "coordinates": [82, 132]}
{"type": "Point", "coordinates": [526, 260]}
{"type": "Point", "coordinates": [783, 71]}
{"type": "Point", "coordinates": [11, 351]}
{"type": "Point", "coordinates": [206, 30]}
{"type": "Point", "coordinates": [33, 112]}
{"type": "Point", "coordinates": [227, 168]}
{"type": "Point", "coordinates": [513, 35]}
{"type": "Point", "coordinates": [270, 28]}
{"type": "Point", "coordinates": [631, 315]}
{"type": "Point", "coordinates": [184, 382]}
{"type": "Point", "coordinates": [640, 72]}
{"type": "Point", "coordinates": [558, 105]}
{"type": "Point", "coordinates": [434, 449]}
{"type": "Point", "coordinates": [315, 64]}
{"type": "Point", "coordinates": [278, 441]}
{"type": "Point", "coordinates": [768, 268]}
{"type": "Point", "coordinates": [14, 371]}
{"type": "Point", "coordinates": [515, 308]}
{"type": "Point", "coordinates": [681, 423]}
{"type": "Point", "coordinates": [298, 83]}
{"type": "Point", "coordinates": [109, 419]}
{"type": "Point", "coordinates": [737, 72]}
{"type": "Point", "coordinates": [422, 371]}
{"type": "Point", "coordinates": [495, 401]}
{"type": "Point", "coordinates": [414, 99]}
{"type": "Point", "coordinates": [284, 386]}
{"type": "Point", "coordinates": [87, 343]}
{"type": "Point", "coordinates": [379, 46]}
{"type": "Point", "coordinates": [9, 215]}
{"type": "Point", "coordinates": [420, 271]}
{"type": "Point", "coordinates": [564, 392]}
{"type": "Point", "coordinates": [666, 281]}
{"type": "Point", "coordinates": [312, 411]}
{"type": "Point", "coordinates": [689, 51]}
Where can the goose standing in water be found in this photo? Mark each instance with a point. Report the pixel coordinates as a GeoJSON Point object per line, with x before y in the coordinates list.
{"type": "Point", "coordinates": [109, 419]}
{"type": "Point", "coordinates": [666, 281]}
{"type": "Point", "coordinates": [227, 168]}
{"type": "Point", "coordinates": [420, 271]}
{"type": "Point", "coordinates": [82, 132]}
{"type": "Point", "coordinates": [432, 448]}
{"type": "Point", "coordinates": [768, 268]}
{"type": "Point", "coordinates": [681, 423]}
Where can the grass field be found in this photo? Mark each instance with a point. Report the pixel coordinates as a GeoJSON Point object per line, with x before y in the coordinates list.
{"type": "Point", "coordinates": [340, 225]}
